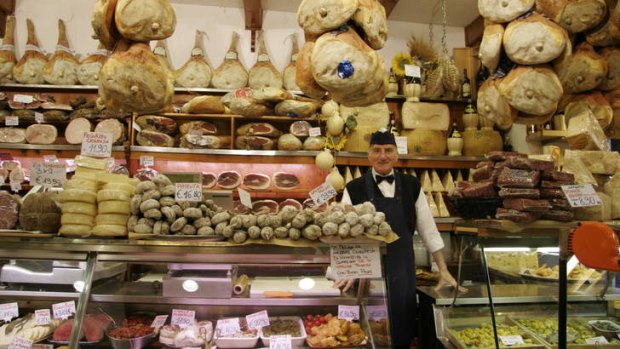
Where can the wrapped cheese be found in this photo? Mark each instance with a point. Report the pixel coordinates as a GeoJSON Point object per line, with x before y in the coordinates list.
{"type": "Point", "coordinates": [501, 11]}
{"type": "Point", "coordinates": [493, 106]}
{"type": "Point", "coordinates": [583, 131]}
{"type": "Point", "coordinates": [574, 16]}
{"type": "Point", "coordinates": [534, 40]}
{"type": "Point", "coordinates": [491, 46]}
{"type": "Point", "coordinates": [7, 51]}
{"type": "Point", "coordinates": [430, 116]}
{"type": "Point", "coordinates": [582, 71]}
{"type": "Point", "coordinates": [317, 17]}
{"type": "Point", "coordinates": [532, 90]}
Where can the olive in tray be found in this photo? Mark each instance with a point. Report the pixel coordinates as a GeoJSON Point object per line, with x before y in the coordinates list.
{"type": "Point", "coordinates": [284, 325]}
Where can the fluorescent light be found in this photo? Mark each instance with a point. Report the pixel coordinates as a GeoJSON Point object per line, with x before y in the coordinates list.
{"type": "Point", "coordinates": [306, 284]}
{"type": "Point", "coordinates": [190, 286]}
{"type": "Point", "coordinates": [78, 286]}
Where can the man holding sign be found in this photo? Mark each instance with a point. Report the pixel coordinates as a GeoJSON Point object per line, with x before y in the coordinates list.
{"type": "Point", "coordinates": [400, 197]}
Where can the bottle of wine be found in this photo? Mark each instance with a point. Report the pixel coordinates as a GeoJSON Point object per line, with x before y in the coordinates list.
{"type": "Point", "coordinates": [466, 86]}
{"type": "Point", "coordinates": [392, 126]}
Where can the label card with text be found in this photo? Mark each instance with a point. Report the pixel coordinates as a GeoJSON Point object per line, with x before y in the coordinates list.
{"type": "Point", "coordinates": [511, 340]}
{"type": "Point", "coordinates": [259, 319]}
{"type": "Point", "coordinates": [597, 340]}
{"type": "Point", "coordinates": [401, 145]}
{"type": "Point", "coordinates": [39, 118]}
{"type": "Point", "coordinates": [323, 193]}
{"type": "Point", "coordinates": [581, 195]}
{"type": "Point", "coordinates": [20, 343]}
{"type": "Point", "coordinates": [16, 186]}
{"type": "Point", "coordinates": [8, 311]}
{"type": "Point", "coordinates": [245, 198]}
{"type": "Point", "coordinates": [226, 327]}
{"type": "Point", "coordinates": [63, 310]}
{"type": "Point", "coordinates": [314, 132]}
{"type": "Point", "coordinates": [280, 342]}
{"type": "Point", "coordinates": [188, 192]}
{"type": "Point", "coordinates": [147, 161]}
{"type": "Point", "coordinates": [11, 121]}
{"type": "Point", "coordinates": [182, 318]}
{"type": "Point", "coordinates": [26, 99]}
{"type": "Point", "coordinates": [48, 173]}
{"type": "Point", "coordinates": [97, 144]}
{"type": "Point", "coordinates": [50, 158]}
{"type": "Point", "coordinates": [159, 321]}
{"type": "Point", "coordinates": [349, 312]}
{"type": "Point", "coordinates": [355, 261]}
{"type": "Point", "coordinates": [413, 71]}
{"type": "Point", "coordinates": [42, 316]}
{"type": "Point", "coordinates": [377, 312]}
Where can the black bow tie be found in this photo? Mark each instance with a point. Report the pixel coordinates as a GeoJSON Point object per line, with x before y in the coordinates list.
{"type": "Point", "coordinates": [389, 179]}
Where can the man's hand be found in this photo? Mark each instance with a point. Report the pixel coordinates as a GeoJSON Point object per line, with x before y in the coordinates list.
{"type": "Point", "coordinates": [345, 284]}
{"type": "Point", "coordinates": [446, 279]}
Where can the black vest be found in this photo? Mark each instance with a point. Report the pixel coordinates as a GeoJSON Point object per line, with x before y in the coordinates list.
{"type": "Point", "coordinates": [411, 190]}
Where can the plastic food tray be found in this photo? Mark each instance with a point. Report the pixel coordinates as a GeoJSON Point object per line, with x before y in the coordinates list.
{"type": "Point", "coordinates": [295, 341]}
{"type": "Point", "coordinates": [461, 324]}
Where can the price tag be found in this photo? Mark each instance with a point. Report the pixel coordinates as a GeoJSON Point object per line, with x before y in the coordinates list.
{"type": "Point", "coordinates": [226, 327]}
{"type": "Point", "coordinates": [280, 342]}
{"type": "Point", "coordinates": [182, 318]}
{"type": "Point", "coordinates": [581, 195]}
{"type": "Point", "coordinates": [42, 316]}
{"type": "Point", "coordinates": [245, 198]}
{"type": "Point", "coordinates": [16, 186]}
{"type": "Point", "coordinates": [159, 321]}
{"type": "Point", "coordinates": [231, 55]}
{"type": "Point", "coordinates": [2, 179]}
{"type": "Point", "coordinates": [256, 320]}
{"type": "Point", "coordinates": [48, 173]}
{"type": "Point", "coordinates": [263, 58]}
{"type": "Point", "coordinates": [377, 312]}
{"type": "Point", "coordinates": [39, 117]}
{"type": "Point", "coordinates": [323, 193]}
{"type": "Point", "coordinates": [401, 145]}
{"type": "Point", "coordinates": [597, 340]}
{"type": "Point", "coordinates": [147, 161]}
{"type": "Point", "coordinates": [188, 192]}
{"type": "Point", "coordinates": [63, 310]}
{"type": "Point", "coordinates": [511, 340]}
{"type": "Point", "coordinates": [26, 99]}
{"type": "Point", "coordinates": [413, 71]}
{"type": "Point", "coordinates": [349, 312]}
{"type": "Point", "coordinates": [11, 121]}
{"type": "Point", "coordinates": [314, 131]}
{"type": "Point", "coordinates": [97, 144]}
{"type": "Point", "coordinates": [355, 261]}
{"type": "Point", "coordinates": [20, 343]}
{"type": "Point", "coordinates": [70, 162]}
{"type": "Point", "coordinates": [8, 311]}
{"type": "Point", "coordinates": [50, 158]}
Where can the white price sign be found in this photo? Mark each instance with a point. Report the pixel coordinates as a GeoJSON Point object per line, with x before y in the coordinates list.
{"type": "Point", "coordinates": [349, 312]}
{"type": "Point", "coordinates": [377, 312]}
{"type": "Point", "coordinates": [323, 193]}
{"type": "Point", "coordinates": [581, 195]}
{"type": "Point", "coordinates": [245, 198]}
{"type": "Point", "coordinates": [8, 311]}
{"type": "Point", "coordinates": [314, 132]}
{"type": "Point", "coordinates": [11, 121]}
{"type": "Point", "coordinates": [413, 71]}
{"type": "Point", "coordinates": [188, 192]}
{"type": "Point", "coordinates": [50, 158]}
{"type": "Point", "coordinates": [147, 161]}
{"type": "Point", "coordinates": [356, 261]}
{"type": "Point", "coordinates": [16, 186]}
{"type": "Point", "coordinates": [97, 144]}
{"type": "Point", "coordinates": [63, 310]}
{"type": "Point", "coordinates": [42, 317]}
{"type": "Point", "coordinates": [280, 342]}
{"type": "Point", "coordinates": [39, 118]}
{"type": "Point", "coordinates": [159, 321]}
{"type": "Point", "coordinates": [26, 99]}
{"type": "Point", "coordinates": [226, 327]}
{"type": "Point", "coordinates": [182, 318]}
{"type": "Point", "coordinates": [511, 340]}
{"type": "Point", "coordinates": [48, 173]}
{"type": "Point", "coordinates": [401, 145]}
{"type": "Point", "coordinates": [256, 320]}
{"type": "Point", "coordinates": [20, 343]}
{"type": "Point", "coordinates": [597, 340]}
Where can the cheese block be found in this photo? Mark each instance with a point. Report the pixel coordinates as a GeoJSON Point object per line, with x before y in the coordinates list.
{"type": "Point", "coordinates": [571, 163]}
{"type": "Point", "coordinates": [356, 172]}
{"type": "Point", "coordinates": [532, 90]}
{"type": "Point", "coordinates": [583, 131]}
{"type": "Point", "coordinates": [373, 116]}
{"type": "Point", "coordinates": [500, 11]}
{"type": "Point", "coordinates": [432, 205]}
{"type": "Point", "coordinates": [78, 195]}
{"type": "Point", "coordinates": [119, 207]}
{"type": "Point", "coordinates": [613, 131]}
{"type": "Point", "coordinates": [425, 181]}
{"type": "Point", "coordinates": [109, 230]}
{"type": "Point", "coordinates": [81, 183]}
{"type": "Point", "coordinates": [584, 70]}
{"type": "Point", "coordinates": [79, 207]}
{"type": "Point", "coordinates": [595, 213]}
{"type": "Point", "coordinates": [86, 173]}
{"type": "Point", "coordinates": [90, 162]}
{"type": "Point", "coordinates": [425, 142]}
{"type": "Point", "coordinates": [77, 218]}
{"type": "Point", "coordinates": [80, 230]}
{"type": "Point", "coordinates": [348, 176]}
{"type": "Point", "coordinates": [598, 162]}
{"type": "Point", "coordinates": [430, 116]}
{"type": "Point", "coordinates": [441, 206]}
{"type": "Point", "coordinates": [126, 187]}
{"type": "Point", "coordinates": [534, 40]}
{"type": "Point", "coordinates": [436, 184]}
{"type": "Point", "coordinates": [112, 195]}
{"type": "Point", "coordinates": [448, 181]}
{"type": "Point", "coordinates": [491, 46]}
{"type": "Point", "coordinates": [612, 188]}
{"type": "Point", "coordinates": [493, 106]}
{"type": "Point", "coordinates": [112, 178]}
{"type": "Point", "coordinates": [599, 106]}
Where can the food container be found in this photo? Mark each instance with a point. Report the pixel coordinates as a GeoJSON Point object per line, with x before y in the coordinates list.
{"type": "Point", "coordinates": [473, 208]}
{"type": "Point", "coordinates": [236, 342]}
{"type": "Point", "coordinates": [132, 343]}
{"type": "Point", "coordinates": [295, 341]}
{"type": "Point", "coordinates": [456, 325]}
{"type": "Point", "coordinates": [607, 328]}
{"type": "Point", "coordinates": [578, 330]}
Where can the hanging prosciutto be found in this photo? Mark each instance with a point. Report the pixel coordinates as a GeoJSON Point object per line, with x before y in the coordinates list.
{"type": "Point", "coordinates": [196, 72]}
{"type": "Point", "coordinates": [62, 67]}
{"type": "Point", "coordinates": [29, 68]}
{"type": "Point", "coordinates": [263, 73]}
{"type": "Point", "coordinates": [7, 52]}
{"type": "Point", "coordinates": [231, 74]}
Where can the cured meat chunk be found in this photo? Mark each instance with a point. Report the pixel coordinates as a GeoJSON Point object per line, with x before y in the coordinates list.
{"type": "Point", "coordinates": [256, 181]}
{"type": "Point", "coordinates": [113, 127]}
{"type": "Point", "coordinates": [528, 205]}
{"type": "Point", "coordinates": [515, 215]}
{"type": "Point", "coordinates": [229, 180]}
{"type": "Point", "coordinates": [198, 127]}
{"type": "Point", "coordinates": [283, 180]}
{"type": "Point", "coordinates": [558, 215]}
{"type": "Point", "coordinates": [74, 133]}
{"type": "Point", "coordinates": [554, 184]}
{"type": "Point", "coordinates": [559, 204]}
{"type": "Point", "coordinates": [9, 210]}
{"type": "Point", "coordinates": [41, 134]}
{"type": "Point", "coordinates": [477, 190]}
{"type": "Point", "coordinates": [300, 128]}
{"type": "Point", "coordinates": [512, 178]}
{"type": "Point", "coordinates": [154, 139]}
{"type": "Point", "coordinates": [157, 123]}
{"type": "Point", "coordinates": [254, 143]}
{"type": "Point", "coordinates": [549, 193]}
{"type": "Point", "coordinates": [265, 206]}
{"type": "Point", "coordinates": [200, 141]}
{"type": "Point", "coordinates": [231, 74]}
{"type": "Point", "coordinates": [483, 174]}
{"type": "Point", "coordinates": [558, 176]}
{"type": "Point", "coordinates": [258, 129]}
{"type": "Point", "coordinates": [208, 180]}
{"type": "Point", "coordinates": [204, 105]}
{"type": "Point", "coordinates": [12, 135]}
{"type": "Point", "coordinates": [525, 193]}
{"type": "Point", "coordinates": [485, 164]}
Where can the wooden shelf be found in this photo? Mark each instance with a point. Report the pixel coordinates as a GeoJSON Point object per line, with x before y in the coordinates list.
{"type": "Point", "coordinates": [401, 98]}
{"type": "Point", "coordinates": [274, 193]}
{"type": "Point", "coordinates": [182, 116]}
{"type": "Point", "coordinates": [65, 151]}
{"type": "Point", "coordinates": [546, 135]}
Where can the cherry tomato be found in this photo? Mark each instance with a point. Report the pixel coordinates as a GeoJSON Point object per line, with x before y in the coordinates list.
{"type": "Point", "coordinates": [309, 317]}
{"type": "Point", "coordinates": [308, 329]}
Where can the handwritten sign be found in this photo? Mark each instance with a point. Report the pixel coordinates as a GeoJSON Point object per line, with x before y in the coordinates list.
{"type": "Point", "coordinates": [39, 118]}
{"type": "Point", "coordinates": [188, 192]}
{"type": "Point", "coordinates": [183, 318]}
{"type": "Point", "coordinates": [413, 71]}
{"type": "Point", "coordinates": [97, 144]}
{"type": "Point", "coordinates": [226, 327]}
{"type": "Point", "coordinates": [48, 173]}
{"type": "Point", "coordinates": [511, 340]}
{"type": "Point", "coordinates": [597, 340]}
{"type": "Point", "coordinates": [323, 193]}
{"type": "Point", "coordinates": [349, 312]}
{"type": "Point", "coordinates": [401, 145]}
{"type": "Point", "coordinates": [256, 320]}
{"type": "Point", "coordinates": [314, 132]}
{"type": "Point", "coordinates": [581, 195]}
{"type": "Point", "coordinates": [11, 121]}
{"type": "Point", "coordinates": [20, 343]}
{"type": "Point", "coordinates": [280, 342]}
{"type": "Point", "coordinates": [147, 161]}
{"type": "Point", "coordinates": [377, 312]}
{"type": "Point", "coordinates": [63, 310]}
{"type": "Point", "coordinates": [159, 321]}
{"type": "Point", "coordinates": [356, 261]}
{"type": "Point", "coordinates": [26, 99]}
{"type": "Point", "coordinates": [8, 311]}
{"type": "Point", "coordinates": [245, 198]}
{"type": "Point", "coordinates": [42, 316]}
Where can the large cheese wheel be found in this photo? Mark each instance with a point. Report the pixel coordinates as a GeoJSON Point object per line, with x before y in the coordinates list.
{"type": "Point", "coordinates": [79, 207]}
{"type": "Point", "coordinates": [78, 195]}
{"type": "Point", "coordinates": [75, 230]}
{"type": "Point", "coordinates": [425, 142]}
{"type": "Point", "coordinates": [112, 195]}
{"type": "Point", "coordinates": [76, 218]}
{"type": "Point", "coordinates": [359, 139]}
{"type": "Point", "coordinates": [111, 219]}
{"type": "Point", "coordinates": [120, 207]}
{"type": "Point", "coordinates": [126, 187]}
{"type": "Point", "coordinates": [429, 116]}
{"type": "Point", "coordinates": [534, 40]}
{"type": "Point", "coordinates": [372, 116]}
{"type": "Point", "coordinates": [481, 142]}
{"type": "Point", "coordinates": [109, 230]}
{"type": "Point", "coordinates": [81, 183]}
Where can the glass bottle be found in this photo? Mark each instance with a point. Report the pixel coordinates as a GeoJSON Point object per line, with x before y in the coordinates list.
{"type": "Point", "coordinates": [466, 86]}
{"type": "Point", "coordinates": [470, 117]}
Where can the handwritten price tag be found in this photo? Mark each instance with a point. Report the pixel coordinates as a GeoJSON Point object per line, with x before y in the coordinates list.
{"type": "Point", "coordinates": [581, 195]}
{"type": "Point", "coordinates": [511, 340]}
{"type": "Point", "coordinates": [245, 198]}
{"type": "Point", "coordinates": [256, 320]}
{"type": "Point", "coordinates": [23, 98]}
{"type": "Point", "coordinates": [147, 161]}
{"type": "Point", "coordinates": [182, 318]}
{"type": "Point", "coordinates": [597, 340]}
{"type": "Point", "coordinates": [349, 312]}
{"type": "Point", "coordinates": [280, 342]}
{"type": "Point", "coordinates": [226, 327]}
{"type": "Point", "coordinates": [48, 173]}
{"type": "Point", "coordinates": [159, 321]}
{"type": "Point", "coordinates": [314, 131]}
{"type": "Point", "coordinates": [323, 193]}
{"type": "Point", "coordinates": [401, 145]}
{"type": "Point", "coordinates": [188, 191]}
{"type": "Point", "coordinates": [97, 144]}
{"type": "Point", "coordinates": [63, 310]}
{"type": "Point", "coordinates": [39, 118]}
{"type": "Point", "coordinates": [20, 343]}
{"type": "Point", "coordinates": [412, 71]}
{"type": "Point", "coordinates": [8, 311]}
{"type": "Point", "coordinates": [355, 261]}
{"type": "Point", "coordinates": [11, 121]}
{"type": "Point", "coordinates": [377, 312]}
{"type": "Point", "coordinates": [42, 316]}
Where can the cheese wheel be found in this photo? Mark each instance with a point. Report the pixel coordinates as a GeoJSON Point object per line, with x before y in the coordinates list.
{"type": "Point", "coordinates": [111, 219]}
{"type": "Point", "coordinates": [121, 207]}
{"type": "Point", "coordinates": [126, 187]}
{"type": "Point", "coordinates": [76, 218]}
{"type": "Point", "coordinates": [79, 207]}
{"type": "Point", "coordinates": [78, 195]}
{"type": "Point", "coordinates": [75, 230]}
{"type": "Point", "coordinates": [109, 230]}
{"type": "Point", "coordinates": [81, 183]}
{"type": "Point", "coordinates": [112, 195]}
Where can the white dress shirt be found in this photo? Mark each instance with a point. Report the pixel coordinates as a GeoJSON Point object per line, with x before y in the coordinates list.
{"type": "Point", "coordinates": [425, 223]}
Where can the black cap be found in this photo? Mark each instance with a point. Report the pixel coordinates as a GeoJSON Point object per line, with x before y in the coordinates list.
{"type": "Point", "coordinates": [382, 138]}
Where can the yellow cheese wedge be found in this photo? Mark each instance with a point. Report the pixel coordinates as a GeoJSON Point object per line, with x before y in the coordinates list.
{"type": "Point", "coordinates": [448, 181]}
{"type": "Point", "coordinates": [93, 163]}
{"type": "Point", "coordinates": [432, 205]}
{"type": "Point", "coordinates": [75, 230]}
{"type": "Point", "coordinates": [126, 187]}
{"type": "Point", "coordinates": [436, 184]}
{"type": "Point", "coordinates": [120, 207]}
{"type": "Point", "coordinates": [111, 219]}
{"type": "Point", "coordinates": [81, 173]}
{"type": "Point", "coordinates": [441, 206]}
{"type": "Point", "coordinates": [348, 176]}
{"type": "Point", "coordinates": [425, 181]}
{"type": "Point", "coordinates": [77, 218]}
{"type": "Point", "coordinates": [90, 172]}
{"type": "Point", "coordinates": [112, 195]}
{"type": "Point", "coordinates": [78, 195]}
{"type": "Point", "coordinates": [109, 230]}
{"type": "Point", "coordinates": [79, 207]}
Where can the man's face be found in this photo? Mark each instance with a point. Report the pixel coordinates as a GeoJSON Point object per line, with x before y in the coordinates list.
{"type": "Point", "coordinates": [382, 157]}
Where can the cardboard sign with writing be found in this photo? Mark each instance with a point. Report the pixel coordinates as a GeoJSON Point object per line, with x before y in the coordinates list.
{"type": "Point", "coordinates": [280, 341]}
{"type": "Point", "coordinates": [581, 195]}
{"type": "Point", "coordinates": [188, 192]}
{"type": "Point", "coordinates": [377, 312]}
{"type": "Point", "coordinates": [259, 319]}
{"type": "Point", "coordinates": [183, 318]}
{"type": "Point", "coordinates": [8, 311]}
{"type": "Point", "coordinates": [511, 340]}
{"type": "Point", "coordinates": [53, 174]}
{"type": "Point", "coordinates": [20, 343]}
{"type": "Point", "coordinates": [323, 193]}
{"type": "Point", "coordinates": [226, 327]}
{"type": "Point", "coordinates": [356, 261]}
{"type": "Point", "coordinates": [349, 312]}
{"type": "Point", "coordinates": [42, 316]}
{"type": "Point", "coordinates": [63, 310]}
{"type": "Point", "coordinates": [97, 144]}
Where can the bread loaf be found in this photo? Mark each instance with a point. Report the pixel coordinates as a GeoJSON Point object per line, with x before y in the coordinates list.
{"type": "Point", "coordinates": [612, 57]}
{"type": "Point", "coordinates": [500, 11]}
{"type": "Point", "coordinates": [532, 90]}
{"type": "Point", "coordinates": [429, 116]}
{"type": "Point", "coordinates": [582, 71]}
{"type": "Point", "coordinates": [534, 40]}
{"type": "Point", "coordinates": [317, 17]}
{"type": "Point", "coordinates": [370, 17]}
{"type": "Point", "coordinates": [145, 20]}
{"type": "Point", "coordinates": [491, 46]}
{"type": "Point", "coordinates": [493, 106]}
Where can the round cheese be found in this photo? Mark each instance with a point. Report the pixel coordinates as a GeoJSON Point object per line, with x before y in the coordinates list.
{"type": "Point", "coordinates": [126, 187]}
{"type": "Point", "coordinates": [79, 207]}
{"type": "Point", "coordinates": [109, 230]}
{"type": "Point", "coordinates": [121, 207]}
{"type": "Point", "coordinates": [75, 230]}
{"type": "Point", "coordinates": [81, 183]}
{"type": "Point", "coordinates": [76, 218]}
{"type": "Point", "coordinates": [112, 219]}
{"type": "Point", "coordinates": [78, 195]}
{"type": "Point", "coordinates": [112, 195]}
